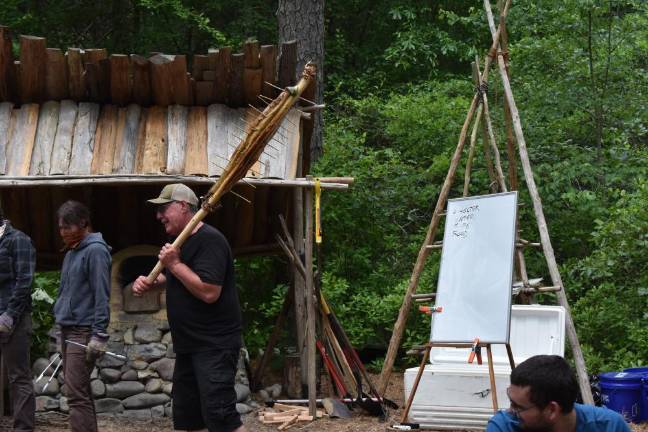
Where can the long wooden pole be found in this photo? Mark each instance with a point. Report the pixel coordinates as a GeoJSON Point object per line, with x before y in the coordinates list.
{"type": "Point", "coordinates": [579, 360]}
{"type": "Point", "coordinates": [311, 311]}
{"type": "Point", "coordinates": [247, 152]}
{"type": "Point", "coordinates": [399, 327]}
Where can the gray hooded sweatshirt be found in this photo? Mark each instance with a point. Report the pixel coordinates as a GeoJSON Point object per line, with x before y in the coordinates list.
{"type": "Point", "coordinates": [84, 293]}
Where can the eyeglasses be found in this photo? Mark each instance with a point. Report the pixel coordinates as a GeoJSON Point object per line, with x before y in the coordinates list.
{"type": "Point", "coordinates": [161, 209]}
{"type": "Point", "coordinates": [514, 407]}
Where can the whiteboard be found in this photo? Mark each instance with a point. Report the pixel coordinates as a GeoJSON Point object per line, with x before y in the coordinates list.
{"type": "Point", "coordinates": [475, 278]}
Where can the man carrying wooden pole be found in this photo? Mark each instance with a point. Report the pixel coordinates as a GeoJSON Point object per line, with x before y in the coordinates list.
{"type": "Point", "coordinates": [204, 315]}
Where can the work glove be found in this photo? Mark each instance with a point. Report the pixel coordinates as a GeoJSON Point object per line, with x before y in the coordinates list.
{"type": "Point", "coordinates": [6, 324]}
{"type": "Point", "coordinates": [96, 347]}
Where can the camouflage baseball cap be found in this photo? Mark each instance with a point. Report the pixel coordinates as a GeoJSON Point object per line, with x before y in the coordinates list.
{"type": "Point", "coordinates": [175, 192]}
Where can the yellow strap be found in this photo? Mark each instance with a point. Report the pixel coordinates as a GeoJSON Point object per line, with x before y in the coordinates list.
{"type": "Point", "coordinates": [318, 226]}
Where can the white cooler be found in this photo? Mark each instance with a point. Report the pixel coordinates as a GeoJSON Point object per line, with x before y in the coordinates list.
{"type": "Point", "coordinates": [454, 394]}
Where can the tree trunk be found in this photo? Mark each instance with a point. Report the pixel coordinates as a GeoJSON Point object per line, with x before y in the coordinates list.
{"type": "Point", "coordinates": [303, 20]}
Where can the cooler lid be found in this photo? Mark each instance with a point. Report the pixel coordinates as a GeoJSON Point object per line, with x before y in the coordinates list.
{"type": "Point", "coordinates": [535, 329]}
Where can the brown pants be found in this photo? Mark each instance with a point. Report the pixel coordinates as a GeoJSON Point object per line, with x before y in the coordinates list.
{"type": "Point", "coordinates": [15, 352]}
{"type": "Point", "coordinates": [77, 379]}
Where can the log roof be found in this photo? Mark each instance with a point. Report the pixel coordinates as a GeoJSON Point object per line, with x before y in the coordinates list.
{"type": "Point", "coordinates": [40, 74]}
{"type": "Point", "coordinates": [66, 140]}
{"type": "Point", "coordinates": [85, 114]}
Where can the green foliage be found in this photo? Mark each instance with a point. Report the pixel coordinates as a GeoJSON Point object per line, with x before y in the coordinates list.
{"type": "Point", "coordinates": [44, 292]}
{"type": "Point", "coordinates": [397, 87]}
{"type": "Point", "coordinates": [608, 287]}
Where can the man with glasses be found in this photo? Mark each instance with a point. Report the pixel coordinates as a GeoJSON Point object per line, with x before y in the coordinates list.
{"type": "Point", "coordinates": [204, 316]}
{"type": "Point", "coordinates": [543, 392]}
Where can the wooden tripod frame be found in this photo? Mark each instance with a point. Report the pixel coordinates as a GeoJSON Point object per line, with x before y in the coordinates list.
{"type": "Point", "coordinates": [491, 370]}
{"type": "Point", "coordinates": [514, 131]}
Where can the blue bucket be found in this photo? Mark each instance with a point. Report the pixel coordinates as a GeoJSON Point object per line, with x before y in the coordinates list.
{"type": "Point", "coordinates": [621, 392]}
{"type": "Point", "coordinates": [643, 404]}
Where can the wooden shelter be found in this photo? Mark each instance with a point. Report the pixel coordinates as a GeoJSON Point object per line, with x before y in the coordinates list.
{"type": "Point", "coordinates": [110, 130]}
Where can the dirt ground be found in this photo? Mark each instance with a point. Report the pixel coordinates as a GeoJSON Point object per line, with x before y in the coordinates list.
{"type": "Point", "coordinates": [56, 422]}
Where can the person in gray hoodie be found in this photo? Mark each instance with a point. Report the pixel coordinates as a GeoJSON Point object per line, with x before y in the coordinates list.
{"type": "Point", "coordinates": [82, 309]}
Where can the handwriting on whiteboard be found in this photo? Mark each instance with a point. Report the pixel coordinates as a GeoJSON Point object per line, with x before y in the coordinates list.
{"type": "Point", "coordinates": [463, 219]}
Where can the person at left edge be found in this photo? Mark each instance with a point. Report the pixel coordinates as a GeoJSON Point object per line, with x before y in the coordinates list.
{"type": "Point", "coordinates": [17, 265]}
{"type": "Point", "coordinates": [82, 309]}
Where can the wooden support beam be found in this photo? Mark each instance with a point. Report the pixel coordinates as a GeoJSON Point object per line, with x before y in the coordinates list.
{"type": "Point", "coordinates": [311, 309]}
{"type": "Point", "coordinates": [547, 248]}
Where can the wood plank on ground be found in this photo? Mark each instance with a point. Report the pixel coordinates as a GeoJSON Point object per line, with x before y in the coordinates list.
{"type": "Point", "coordinates": [44, 141]}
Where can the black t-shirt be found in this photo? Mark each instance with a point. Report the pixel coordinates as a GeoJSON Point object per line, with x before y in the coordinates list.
{"type": "Point", "coordinates": [196, 325]}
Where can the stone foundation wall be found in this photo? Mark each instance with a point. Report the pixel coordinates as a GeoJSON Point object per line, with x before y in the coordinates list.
{"type": "Point", "coordinates": [138, 388]}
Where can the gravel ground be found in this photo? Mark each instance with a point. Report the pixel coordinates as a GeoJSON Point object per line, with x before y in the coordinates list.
{"type": "Point", "coordinates": [56, 422]}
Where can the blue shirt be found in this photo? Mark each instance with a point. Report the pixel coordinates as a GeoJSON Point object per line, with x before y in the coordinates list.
{"type": "Point", "coordinates": [588, 419]}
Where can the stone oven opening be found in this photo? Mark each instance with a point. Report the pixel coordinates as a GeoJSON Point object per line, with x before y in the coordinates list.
{"type": "Point", "coordinates": [126, 309]}
{"type": "Point", "coordinates": [132, 267]}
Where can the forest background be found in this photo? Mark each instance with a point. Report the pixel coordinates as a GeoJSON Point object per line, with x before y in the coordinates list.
{"type": "Point", "coordinates": [397, 87]}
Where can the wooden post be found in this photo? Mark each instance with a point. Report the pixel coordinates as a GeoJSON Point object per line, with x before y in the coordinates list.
{"type": "Point", "coordinates": [579, 361]}
{"type": "Point", "coordinates": [298, 280]}
{"type": "Point", "coordinates": [7, 76]}
{"type": "Point", "coordinates": [33, 63]}
{"type": "Point", "coordinates": [491, 373]}
{"type": "Point", "coordinates": [310, 302]}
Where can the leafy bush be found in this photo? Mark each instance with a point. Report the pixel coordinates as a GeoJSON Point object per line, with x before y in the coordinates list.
{"type": "Point", "coordinates": [44, 292]}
